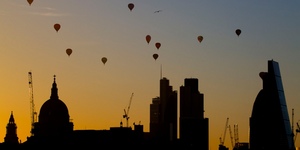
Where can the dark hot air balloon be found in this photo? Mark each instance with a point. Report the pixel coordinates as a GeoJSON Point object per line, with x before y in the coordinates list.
{"type": "Point", "coordinates": [157, 45]}
{"type": "Point", "coordinates": [148, 38]}
{"type": "Point", "coordinates": [69, 51]}
{"type": "Point", "coordinates": [104, 60]}
{"type": "Point", "coordinates": [130, 6]}
{"type": "Point", "coordinates": [238, 32]}
{"type": "Point", "coordinates": [56, 27]}
{"type": "Point", "coordinates": [155, 56]}
{"type": "Point", "coordinates": [29, 1]}
{"type": "Point", "coordinates": [200, 38]}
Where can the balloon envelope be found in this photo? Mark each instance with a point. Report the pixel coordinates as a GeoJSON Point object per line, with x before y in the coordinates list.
{"type": "Point", "coordinates": [29, 1]}
{"type": "Point", "coordinates": [157, 45]}
{"type": "Point", "coordinates": [155, 56]}
{"type": "Point", "coordinates": [69, 51]}
{"type": "Point", "coordinates": [130, 6]}
{"type": "Point", "coordinates": [200, 38]}
{"type": "Point", "coordinates": [104, 60]}
{"type": "Point", "coordinates": [56, 27]}
{"type": "Point", "coordinates": [148, 38]}
{"type": "Point", "coordinates": [238, 32]}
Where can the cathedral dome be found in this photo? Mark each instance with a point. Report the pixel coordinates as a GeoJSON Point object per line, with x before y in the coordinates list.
{"type": "Point", "coordinates": [54, 110]}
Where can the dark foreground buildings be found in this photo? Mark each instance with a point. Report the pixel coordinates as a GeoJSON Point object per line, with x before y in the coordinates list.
{"type": "Point", "coordinates": [165, 113]}
{"type": "Point", "coordinates": [270, 126]}
{"type": "Point", "coordinates": [269, 122]}
{"type": "Point", "coordinates": [55, 129]}
{"type": "Point", "coordinates": [193, 128]}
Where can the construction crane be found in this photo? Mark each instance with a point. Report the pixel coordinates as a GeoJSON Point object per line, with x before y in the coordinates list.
{"type": "Point", "coordinates": [236, 135]}
{"type": "Point", "coordinates": [297, 130]}
{"type": "Point", "coordinates": [298, 127]}
{"type": "Point", "coordinates": [126, 112]}
{"type": "Point", "coordinates": [222, 140]}
{"type": "Point", "coordinates": [32, 109]}
{"type": "Point", "coordinates": [231, 137]}
{"type": "Point", "coordinates": [293, 134]}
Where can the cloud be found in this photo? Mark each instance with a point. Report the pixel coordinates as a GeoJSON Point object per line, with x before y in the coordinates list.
{"type": "Point", "coordinates": [49, 14]}
{"type": "Point", "coordinates": [29, 10]}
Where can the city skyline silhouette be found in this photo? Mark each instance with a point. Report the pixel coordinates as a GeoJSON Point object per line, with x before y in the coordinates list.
{"type": "Point", "coordinates": [226, 65]}
{"type": "Point", "coordinates": [168, 118]}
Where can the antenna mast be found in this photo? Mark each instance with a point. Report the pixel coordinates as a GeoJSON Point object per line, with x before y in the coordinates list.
{"type": "Point", "coordinates": [160, 71]}
{"type": "Point", "coordinates": [32, 110]}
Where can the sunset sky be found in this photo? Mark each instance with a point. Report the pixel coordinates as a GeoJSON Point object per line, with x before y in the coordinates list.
{"type": "Point", "coordinates": [226, 65]}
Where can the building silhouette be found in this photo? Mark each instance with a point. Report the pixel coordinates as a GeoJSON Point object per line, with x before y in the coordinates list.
{"type": "Point", "coordinates": [168, 111]}
{"type": "Point", "coordinates": [270, 126]}
{"type": "Point", "coordinates": [54, 128]}
{"type": "Point", "coordinates": [269, 122]}
{"type": "Point", "coordinates": [193, 127]}
{"type": "Point", "coordinates": [163, 114]}
{"type": "Point", "coordinates": [54, 125]}
{"type": "Point", "coordinates": [11, 137]}
{"type": "Point", "coordinates": [154, 116]}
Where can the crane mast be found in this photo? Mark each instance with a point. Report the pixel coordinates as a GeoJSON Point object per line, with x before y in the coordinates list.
{"type": "Point", "coordinates": [126, 112]}
{"type": "Point", "coordinates": [222, 140]}
{"type": "Point", "coordinates": [231, 137]}
{"type": "Point", "coordinates": [297, 131]}
{"type": "Point", "coordinates": [298, 127]}
{"type": "Point", "coordinates": [236, 135]}
{"type": "Point", "coordinates": [32, 109]}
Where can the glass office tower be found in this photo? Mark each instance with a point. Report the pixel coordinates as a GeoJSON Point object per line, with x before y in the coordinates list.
{"type": "Point", "coordinates": [194, 127]}
{"type": "Point", "coordinates": [270, 126]}
{"type": "Point", "coordinates": [163, 114]}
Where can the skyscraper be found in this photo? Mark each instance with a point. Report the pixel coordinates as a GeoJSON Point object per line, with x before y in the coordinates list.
{"type": "Point", "coordinates": [168, 98]}
{"type": "Point", "coordinates": [193, 127]}
{"type": "Point", "coordinates": [269, 122]}
{"type": "Point", "coordinates": [154, 116]}
{"type": "Point", "coordinates": [163, 111]}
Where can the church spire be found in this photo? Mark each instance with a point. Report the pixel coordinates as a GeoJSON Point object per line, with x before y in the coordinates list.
{"type": "Point", "coordinates": [11, 136]}
{"type": "Point", "coordinates": [11, 118]}
{"type": "Point", "coordinates": [54, 93]}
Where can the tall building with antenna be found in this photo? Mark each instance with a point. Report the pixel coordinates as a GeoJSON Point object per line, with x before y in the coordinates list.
{"type": "Point", "coordinates": [164, 112]}
{"type": "Point", "coordinates": [168, 111]}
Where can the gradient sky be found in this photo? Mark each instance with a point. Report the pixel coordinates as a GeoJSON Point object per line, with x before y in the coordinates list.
{"type": "Point", "coordinates": [226, 65]}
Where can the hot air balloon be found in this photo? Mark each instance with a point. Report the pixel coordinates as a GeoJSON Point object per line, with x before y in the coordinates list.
{"type": "Point", "coordinates": [200, 38]}
{"type": "Point", "coordinates": [238, 32]}
{"type": "Point", "coordinates": [155, 56]}
{"type": "Point", "coordinates": [157, 45]}
{"type": "Point", "coordinates": [104, 60]}
{"type": "Point", "coordinates": [29, 1]}
{"type": "Point", "coordinates": [69, 51]}
{"type": "Point", "coordinates": [130, 6]}
{"type": "Point", "coordinates": [56, 27]}
{"type": "Point", "coordinates": [148, 38]}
